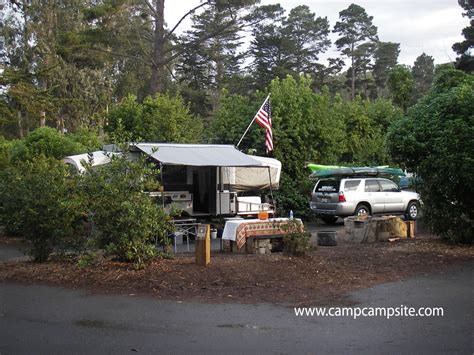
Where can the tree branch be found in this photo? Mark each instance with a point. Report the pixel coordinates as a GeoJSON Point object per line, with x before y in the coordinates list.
{"type": "Point", "coordinates": [186, 15]}
{"type": "Point", "coordinates": [152, 9]}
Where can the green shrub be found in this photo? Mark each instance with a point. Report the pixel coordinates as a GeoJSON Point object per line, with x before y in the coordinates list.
{"type": "Point", "coordinates": [88, 139]}
{"type": "Point", "coordinates": [435, 141]}
{"type": "Point", "coordinates": [126, 218]}
{"type": "Point", "coordinates": [296, 241]}
{"type": "Point", "coordinates": [48, 142]}
{"type": "Point", "coordinates": [162, 118]}
{"type": "Point", "coordinates": [38, 203]}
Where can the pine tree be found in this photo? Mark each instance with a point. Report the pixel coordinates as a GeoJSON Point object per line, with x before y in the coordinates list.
{"type": "Point", "coordinates": [354, 28]}
{"type": "Point", "coordinates": [423, 73]}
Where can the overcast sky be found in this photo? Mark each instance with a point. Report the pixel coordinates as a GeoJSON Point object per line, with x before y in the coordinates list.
{"type": "Point", "coordinates": [430, 26]}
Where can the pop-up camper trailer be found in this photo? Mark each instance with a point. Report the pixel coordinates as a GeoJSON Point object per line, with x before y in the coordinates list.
{"type": "Point", "coordinates": [204, 179]}
{"type": "Point", "coordinates": [208, 179]}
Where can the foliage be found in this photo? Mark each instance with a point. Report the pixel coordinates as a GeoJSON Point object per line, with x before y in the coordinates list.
{"type": "Point", "coordinates": [307, 127]}
{"type": "Point", "coordinates": [231, 120]}
{"type": "Point", "coordinates": [163, 118]}
{"type": "Point", "coordinates": [46, 141]}
{"type": "Point", "coordinates": [38, 203]}
{"type": "Point", "coordinates": [356, 30]}
{"type": "Point", "coordinates": [48, 73]}
{"type": "Point", "coordinates": [465, 61]}
{"type": "Point", "coordinates": [400, 85]}
{"type": "Point", "coordinates": [386, 56]}
{"type": "Point", "coordinates": [305, 38]}
{"type": "Point", "coordinates": [286, 45]}
{"type": "Point", "coordinates": [126, 218]}
{"type": "Point", "coordinates": [296, 239]}
{"type": "Point", "coordinates": [87, 138]}
{"type": "Point", "coordinates": [423, 73]}
{"type": "Point", "coordinates": [434, 141]}
{"type": "Point", "coordinates": [211, 60]}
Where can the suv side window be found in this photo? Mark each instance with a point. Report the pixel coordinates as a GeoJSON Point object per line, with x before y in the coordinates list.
{"type": "Point", "coordinates": [372, 186]}
{"type": "Point", "coordinates": [388, 186]}
{"type": "Point", "coordinates": [351, 185]}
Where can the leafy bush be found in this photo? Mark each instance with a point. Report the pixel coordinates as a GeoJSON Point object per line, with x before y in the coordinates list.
{"type": "Point", "coordinates": [38, 203]}
{"type": "Point", "coordinates": [163, 118]}
{"type": "Point", "coordinates": [296, 241]}
{"type": "Point", "coordinates": [435, 141]}
{"type": "Point", "coordinates": [126, 218]}
{"type": "Point", "coordinates": [48, 142]}
{"type": "Point", "coordinates": [89, 140]}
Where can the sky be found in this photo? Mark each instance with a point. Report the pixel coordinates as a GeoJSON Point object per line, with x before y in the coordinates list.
{"type": "Point", "coordinates": [429, 26]}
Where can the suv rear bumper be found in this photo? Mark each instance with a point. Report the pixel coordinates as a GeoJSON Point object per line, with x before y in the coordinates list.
{"type": "Point", "coordinates": [341, 209]}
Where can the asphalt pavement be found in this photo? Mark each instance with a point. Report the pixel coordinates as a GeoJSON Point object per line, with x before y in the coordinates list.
{"type": "Point", "coordinates": [51, 320]}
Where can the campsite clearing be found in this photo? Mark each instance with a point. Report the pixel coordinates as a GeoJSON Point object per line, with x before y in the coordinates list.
{"type": "Point", "coordinates": [323, 277]}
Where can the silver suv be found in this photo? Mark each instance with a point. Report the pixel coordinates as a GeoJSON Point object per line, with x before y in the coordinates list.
{"type": "Point", "coordinates": [342, 197]}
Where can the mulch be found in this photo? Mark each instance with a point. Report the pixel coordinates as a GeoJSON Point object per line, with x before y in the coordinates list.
{"type": "Point", "coordinates": [325, 276]}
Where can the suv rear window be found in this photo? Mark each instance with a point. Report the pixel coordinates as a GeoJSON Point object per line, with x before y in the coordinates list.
{"type": "Point", "coordinates": [328, 186]}
{"type": "Point", "coordinates": [351, 185]}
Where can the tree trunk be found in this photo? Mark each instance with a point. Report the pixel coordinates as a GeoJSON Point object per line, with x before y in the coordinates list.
{"type": "Point", "coordinates": [353, 73]}
{"type": "Point", "coordinates": [60, 125]}
{"type": "Point", "coordinates": [20, 125]}
{"type": "Point", "coordinates": [365, 84]}
{"type": "Point", "coordinates": [158, 68]}
{"type": "Point", "coordinates": [42, 119]}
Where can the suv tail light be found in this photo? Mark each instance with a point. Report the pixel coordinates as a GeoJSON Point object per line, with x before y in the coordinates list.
{"type": "Point", "coordinates": [342, 198]}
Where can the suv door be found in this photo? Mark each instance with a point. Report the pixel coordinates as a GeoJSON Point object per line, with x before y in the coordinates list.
{"type": "Point", "coordinates": [374, 195]}
{"type": "Point", "coordinates": [393, 200]}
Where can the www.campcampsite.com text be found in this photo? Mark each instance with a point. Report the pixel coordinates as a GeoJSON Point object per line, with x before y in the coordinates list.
{"type": "Point", "coordinates": [356, 312]}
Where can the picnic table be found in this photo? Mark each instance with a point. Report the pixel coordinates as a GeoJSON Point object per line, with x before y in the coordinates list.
{"type": "Point", "coordinates": [239, 230]}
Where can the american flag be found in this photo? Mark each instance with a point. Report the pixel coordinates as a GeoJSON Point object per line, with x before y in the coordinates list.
{"type": "Point", "coordinates": [264, 119]}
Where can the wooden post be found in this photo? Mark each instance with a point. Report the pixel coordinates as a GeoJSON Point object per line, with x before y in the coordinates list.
{"type": "Point", "coordinates": [203, 245]}
{"type": "Point", "coordinates": [410, 229]}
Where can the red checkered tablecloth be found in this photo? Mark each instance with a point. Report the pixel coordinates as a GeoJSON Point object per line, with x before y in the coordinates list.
{"type": "Point", "coordinates": [260, 228]}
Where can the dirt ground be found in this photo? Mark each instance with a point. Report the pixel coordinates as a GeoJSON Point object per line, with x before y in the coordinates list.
{"type": "Point", "coordinates": [325, 276]}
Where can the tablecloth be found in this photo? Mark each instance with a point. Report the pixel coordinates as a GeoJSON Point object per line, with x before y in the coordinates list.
{"type": "Point", "coordinates": [240, 230]}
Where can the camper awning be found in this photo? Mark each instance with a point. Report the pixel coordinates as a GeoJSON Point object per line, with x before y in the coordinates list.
{"type": "Point", "coordinates": [197, 154]}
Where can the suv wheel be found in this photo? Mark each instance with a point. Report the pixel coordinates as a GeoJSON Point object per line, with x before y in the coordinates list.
{"type": "Point", "coordinates": [362, 209]}
{"type": "Point", "coordinates": [329, 219]}
{"type": "Point", "coordinates": [412, 211]}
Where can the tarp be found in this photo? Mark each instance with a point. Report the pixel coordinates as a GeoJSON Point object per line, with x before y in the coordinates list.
{"type": "Point", "coordinates": [78, 161]}
{"type": "Point", "coordinates": [248, 179]}
{"type": "Point", "coordinates": [197, 154]}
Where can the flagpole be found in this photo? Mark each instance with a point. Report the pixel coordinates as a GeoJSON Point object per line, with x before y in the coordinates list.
{"type": "Point", "coordinates": [252, 121]}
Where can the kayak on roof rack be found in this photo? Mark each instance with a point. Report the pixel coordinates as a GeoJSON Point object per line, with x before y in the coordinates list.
{"type": "Point", "coordinates": [319, 171]}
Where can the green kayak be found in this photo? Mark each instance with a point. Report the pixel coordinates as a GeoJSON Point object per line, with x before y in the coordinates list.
{"type": "Point", "coordinates": [320, 171]}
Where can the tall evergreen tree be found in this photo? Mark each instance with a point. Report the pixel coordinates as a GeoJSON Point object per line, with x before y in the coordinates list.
{"type": "Point", "coordinates": [266, 48]}
{"type": "Point", "coordinates": [423, 73]}
{"type": "Point", "coordinates": [465, 61]}
{"type": "Point", "coordinates": [48, 79]}
{"type": "Point", "coordinates": [400, 84]}
{"type": "Point", "coordinates": [386, 57]}
{"type": "Point", "coordinates": [212, 58]}
{"type": "Point", "coordinates": [149, 40]}
{"type": "Point", "coordinates": [354, 28]}
{"type": "Point", "coordinates": [305, 37]}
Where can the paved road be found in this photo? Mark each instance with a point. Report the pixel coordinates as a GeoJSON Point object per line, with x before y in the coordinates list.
{"type": "Point", "coordinates": [40, 319]}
